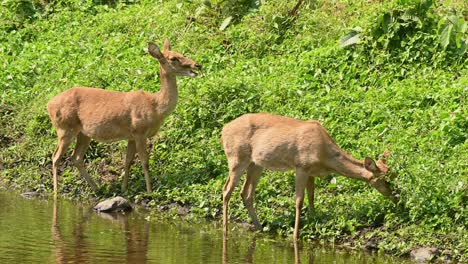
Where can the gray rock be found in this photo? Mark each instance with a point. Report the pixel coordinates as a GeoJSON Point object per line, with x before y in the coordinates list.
{"type": "Point", "coordinates": [116, 204]}
{"type": "Point", "coordinates": [30, 195]}
{"type": "Point", "coordinates": [424, 253]}
{"type": "Point", "coordinates": [183, 210]}
{"type": "Point", "coordinates": [372, 245]}
{"type": "Point", "coordinates": [247, 226]}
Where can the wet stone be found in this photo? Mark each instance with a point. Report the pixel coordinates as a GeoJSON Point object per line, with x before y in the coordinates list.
{"type": "Point", "coordinates": [183, 210]}
{"type": "Point", "coordinates": [424, 254]}
{"type": "Point", "coordinates": [116, 204]}
{"type": "Point", "coordinates": [30, 195]}
{"type": "Point", "coordinates": [371, 245]}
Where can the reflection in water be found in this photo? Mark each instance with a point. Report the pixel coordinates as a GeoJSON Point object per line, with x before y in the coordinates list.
{"type": "Point", "coordinates": [248, 257]}
{"type": "Point", "coordinates": [45, 231]}
{"type": "Point", "coordinates": [59, 250]}
{"type": "Point", "coordinates": [225, 251]}
{"type": "Point", "coordinates": [250, 250]}
{"type": "Point", "coordinates": [62, 252]}
{"type": "Point", "coordinates": [297, 256]}
{"type": "Point", "coordinates": [136, 240]}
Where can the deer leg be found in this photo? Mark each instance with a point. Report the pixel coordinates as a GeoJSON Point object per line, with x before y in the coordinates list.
{"type": "Point", "coordinates": [301, 181]}
{"type": "Point", "coordinates": [248, 191]}
{"type": "Point", "coordinates": [310, 193]}
{"type": "Point", "coordinates": [140, 143]}
{"type": "Point", "coordinates": [64, 140]}
{"type": "Point", "coordinates": [236, 170]}
{"type": "Point", "coordinates": [82, 144]}
{"type": "Point", "coordinates": [131, 150]}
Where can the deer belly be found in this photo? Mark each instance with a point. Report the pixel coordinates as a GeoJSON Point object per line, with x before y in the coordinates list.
{"type": "Point", "coordinates": [106, 134]}
{"type": "Point", "coordinates": [277, 161]}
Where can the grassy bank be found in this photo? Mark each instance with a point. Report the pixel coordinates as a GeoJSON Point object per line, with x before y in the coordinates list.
{"type": "Point", "coordinates": [402, 87]}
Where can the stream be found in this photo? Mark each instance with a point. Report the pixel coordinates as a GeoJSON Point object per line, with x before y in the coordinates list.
{"type": "Point", "coordinates": [46, 231]}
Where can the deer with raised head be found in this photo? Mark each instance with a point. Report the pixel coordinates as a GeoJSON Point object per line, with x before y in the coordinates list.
{"type": "Point", "coordinates": [256, 141]}
{"type": "Point", "coordinates": [89, 113]}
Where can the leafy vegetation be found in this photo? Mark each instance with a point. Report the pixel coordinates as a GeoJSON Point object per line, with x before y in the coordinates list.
{"type": "Point", "coordinates": [378, 76]}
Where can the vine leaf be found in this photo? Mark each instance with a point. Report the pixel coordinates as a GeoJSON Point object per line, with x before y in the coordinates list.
{"type": "Point", "coordinates": [225, 23]}
{"type": "Point", "coordinates": [353, 37]}
{"type": "Point", "coordinates": [445, 35]}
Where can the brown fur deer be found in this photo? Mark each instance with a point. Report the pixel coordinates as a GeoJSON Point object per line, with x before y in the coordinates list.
{"type": "Point", "coordinates": [256, 141]}
{"type": "Point", "coordinates": [90, 113]}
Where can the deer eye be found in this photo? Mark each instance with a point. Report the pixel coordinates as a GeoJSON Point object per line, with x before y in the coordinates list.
{"type": "Point", "coordinates": [174, 59]}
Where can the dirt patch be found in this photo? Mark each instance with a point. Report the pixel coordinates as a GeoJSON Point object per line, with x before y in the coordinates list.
{"type": "Point", "coordinates": [6, 113]}
{"type": "Point", "coordinates": [5, 141]}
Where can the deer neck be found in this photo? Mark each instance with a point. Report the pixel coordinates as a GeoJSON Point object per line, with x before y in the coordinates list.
{"type": "Point", "coordinates": [167, 97]}
{"type": "Point", "coordinates": [348, 166]}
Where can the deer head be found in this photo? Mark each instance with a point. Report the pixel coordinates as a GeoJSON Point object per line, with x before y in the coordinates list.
{"type": "Point", "coordinates": [379, 169]}
{"type": "Point", "coordinates": [173, 62]}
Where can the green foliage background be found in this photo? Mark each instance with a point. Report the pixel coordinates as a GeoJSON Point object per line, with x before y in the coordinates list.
{"type": "Point", "coordinates": [398, 81]}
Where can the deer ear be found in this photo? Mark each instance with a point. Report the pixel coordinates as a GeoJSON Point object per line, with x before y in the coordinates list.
{"type": "Point", "coordinates": [154, 50]}
{"type": "Point", "coordinates": [167, 46]}
{"type": "Point", "coordinates": [370, 165]}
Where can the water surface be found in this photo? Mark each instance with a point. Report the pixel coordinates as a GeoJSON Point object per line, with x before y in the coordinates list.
{"type": "Point", "coordinates": [44, 231]}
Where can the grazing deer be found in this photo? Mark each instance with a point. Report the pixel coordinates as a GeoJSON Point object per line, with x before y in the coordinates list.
{"type": "Point", "coordinates": [90, 113]}
{"type": "Point", "coordinates": [256, 141]}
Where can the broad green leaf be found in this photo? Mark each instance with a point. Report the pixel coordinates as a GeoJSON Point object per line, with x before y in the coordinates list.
{"type": "Point", "coordinates": [386, 20]}
{"type": "Point", "coordinates": [454, 20]}
{"type": "Point", "coordinates": [199, 11]}
{"type": "Point", "coordinates": [458, 40]}
{"type": "Point", "coordinates": [445, 35]}
{"type": "Point", "coordinates": [207, 3]}
{"type": "Point", "coordinates": [463, 27]}
{"type": "Point", "coordinates": [441, 23]}
{"type": "Point", "coordinates": [225, 23]}
{"type": "Point", "coordinates": [349, 39]}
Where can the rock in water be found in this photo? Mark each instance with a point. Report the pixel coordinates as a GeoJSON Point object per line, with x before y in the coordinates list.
{"type": "Point", "coordinates": [424, 254]}
{"type": "Point", "coordinates": [116, 204]}
{"type": "Point", "coordinates": [30, 195]}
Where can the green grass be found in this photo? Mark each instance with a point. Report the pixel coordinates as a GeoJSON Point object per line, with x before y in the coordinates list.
{"type": "Point", "coordinates": [398, 89]}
